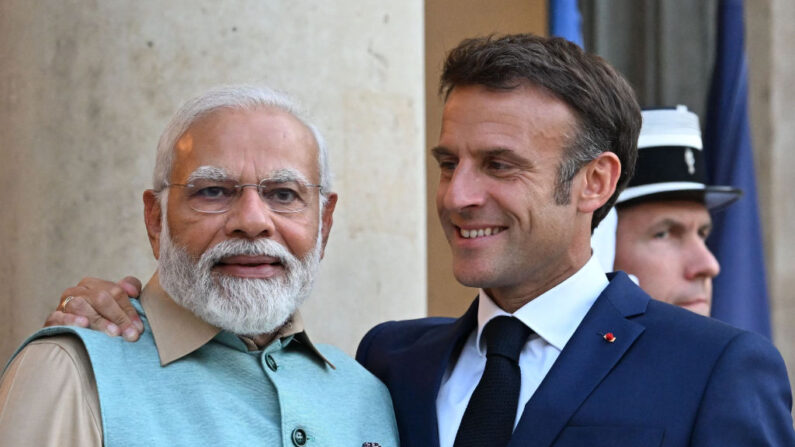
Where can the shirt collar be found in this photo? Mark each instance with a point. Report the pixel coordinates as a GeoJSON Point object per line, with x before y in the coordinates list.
{"type": "Point", "coordinates": [555, 314]}
{"type": "Point", "coordinates": [178, 332]}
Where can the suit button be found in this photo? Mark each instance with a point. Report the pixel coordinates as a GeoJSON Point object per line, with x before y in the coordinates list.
{"type": "Point", "coordinates": [272, 364]}
{"type": "Point", "coordinates": [299, 437]}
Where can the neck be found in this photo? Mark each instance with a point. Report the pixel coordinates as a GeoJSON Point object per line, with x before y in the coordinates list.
{"type": "Point", "coordinates": [262, 340]}
{"type": "Point", "coordinates": [512, 298]}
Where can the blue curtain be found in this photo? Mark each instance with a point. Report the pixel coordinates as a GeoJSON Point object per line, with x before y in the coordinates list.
{"type": "Point", "coordinates": [565, 20]}
{"type": "Point", "coordinates": [740, 290]}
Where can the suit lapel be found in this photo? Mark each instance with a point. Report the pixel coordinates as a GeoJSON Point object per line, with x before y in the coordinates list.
{"type": "Point", "coordinates": [422, 369]}
{"type": "Point", "coordinates": [584, 362]}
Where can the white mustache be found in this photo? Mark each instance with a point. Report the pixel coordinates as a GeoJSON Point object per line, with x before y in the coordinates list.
{"type": "Point", "coordinates": [242, 247]}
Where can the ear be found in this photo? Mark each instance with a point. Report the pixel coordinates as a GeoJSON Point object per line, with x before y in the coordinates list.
{"type": "Point", "coordinates": [328, 219]}
{"type": "Point", "coordinates": [599, 179]}
{"type": "Point", "coordinates": [153, 220]}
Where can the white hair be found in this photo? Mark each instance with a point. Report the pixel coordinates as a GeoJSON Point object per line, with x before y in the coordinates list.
{"type": "Point", "coordinates": [245, 97]}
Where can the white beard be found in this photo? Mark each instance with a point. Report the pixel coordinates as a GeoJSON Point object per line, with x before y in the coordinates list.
{"type": "Point", "coordinates": [243, 306]}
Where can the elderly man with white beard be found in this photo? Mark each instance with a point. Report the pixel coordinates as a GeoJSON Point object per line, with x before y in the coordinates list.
{"type": "Point", "coordinates": [238, 218]}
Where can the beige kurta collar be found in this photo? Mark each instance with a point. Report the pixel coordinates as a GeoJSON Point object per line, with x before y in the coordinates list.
{"type": "Point", "coordinates": [178, 332]}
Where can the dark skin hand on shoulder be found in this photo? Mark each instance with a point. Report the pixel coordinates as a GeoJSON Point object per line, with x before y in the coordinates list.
{"type": "Point", "coordinates": [102, 306]}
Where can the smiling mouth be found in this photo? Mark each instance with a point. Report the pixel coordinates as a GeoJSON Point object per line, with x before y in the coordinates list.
{"type": "Point", "coordinates": [474, 233]}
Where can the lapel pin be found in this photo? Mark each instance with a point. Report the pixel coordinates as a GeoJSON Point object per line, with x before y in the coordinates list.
{"type": "Point", "coordinates": [609, 337]}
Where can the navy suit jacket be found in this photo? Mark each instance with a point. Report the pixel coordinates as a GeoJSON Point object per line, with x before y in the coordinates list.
{"type": "Point", "coordinates": [670, 378]}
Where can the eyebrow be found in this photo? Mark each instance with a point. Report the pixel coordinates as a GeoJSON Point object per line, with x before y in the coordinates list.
{"type": "Point", "coordinates": [670, 223]}
{"type": "Point", "coordinates": [220, 174]}
{"type": "Point", "coordinates": [287, 175]}
{"type": "Point", "coordinates": [208, 173]}
{"type": "Point", "coordinates": [439, 151]}
{"type": "Point", "coordinates": [509, 154]}
{"type": "Point", "coordinates": [667, 222]}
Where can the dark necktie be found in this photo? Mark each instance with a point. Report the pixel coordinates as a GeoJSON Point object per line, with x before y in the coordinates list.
{"type": "Point", "coordinates": [491, 411]}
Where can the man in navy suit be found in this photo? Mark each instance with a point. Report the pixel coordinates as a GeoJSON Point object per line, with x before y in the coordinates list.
{"type": "Point", "coordinates": [538, 139]}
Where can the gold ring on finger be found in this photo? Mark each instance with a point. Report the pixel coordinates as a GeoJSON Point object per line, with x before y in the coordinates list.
{"type": "Point", "coordinates": [65, 302]}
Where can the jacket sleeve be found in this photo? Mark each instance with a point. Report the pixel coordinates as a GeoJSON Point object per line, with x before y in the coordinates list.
{"type": "Point", "coordinates": [747, 400]}
{"type": "Point", "coordinates": [48, 396]}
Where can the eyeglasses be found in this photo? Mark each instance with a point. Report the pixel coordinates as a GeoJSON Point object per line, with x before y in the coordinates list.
{"type": "Point", "coordinates": [218, 196]}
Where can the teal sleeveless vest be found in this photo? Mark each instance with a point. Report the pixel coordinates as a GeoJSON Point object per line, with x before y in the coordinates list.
{"type": "Point", "coordinates": [221, 394]}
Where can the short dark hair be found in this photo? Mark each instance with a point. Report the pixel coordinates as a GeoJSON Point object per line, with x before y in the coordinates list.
{"type": "Point", "coordinates": [604, 103]}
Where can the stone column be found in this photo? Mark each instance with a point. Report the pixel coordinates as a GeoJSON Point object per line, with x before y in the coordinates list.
{"type": "Point", "coordinates": [87, 86]}
{"type": "Point", "coordinates": [771, 46]}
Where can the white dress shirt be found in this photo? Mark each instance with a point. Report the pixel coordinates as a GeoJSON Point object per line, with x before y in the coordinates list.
{"type": "Point", "coordinates": [553, 317]}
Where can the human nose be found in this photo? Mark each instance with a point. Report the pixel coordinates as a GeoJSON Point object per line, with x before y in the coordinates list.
{"type": "Point", "coordinates": [249, 216]}
{"type": "Point", "coordinates": [701, 262]}
{"type": "Point", "coordinates": [463, 189]}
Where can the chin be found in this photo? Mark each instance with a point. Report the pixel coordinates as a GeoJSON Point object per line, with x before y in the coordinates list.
{"type": "Point", "coordinates": [698, 306]}
{"type": "Point", "coordinates": [477, 278]}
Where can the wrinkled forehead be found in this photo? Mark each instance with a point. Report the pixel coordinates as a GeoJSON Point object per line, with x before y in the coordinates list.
{"type": "Point", "coordinates": [246, 145]}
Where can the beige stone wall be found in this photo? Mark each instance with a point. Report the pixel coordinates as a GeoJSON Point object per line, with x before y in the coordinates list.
{"type": "Point", "coordinates": [87, 86]}
{"type": "Point", "coordinates": [771, 56]}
